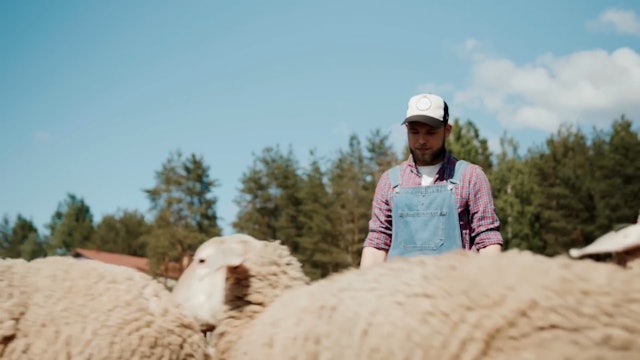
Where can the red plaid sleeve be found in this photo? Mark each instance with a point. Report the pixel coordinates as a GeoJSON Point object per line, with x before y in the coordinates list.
{"type": "Point", "coordinates": [379, 235]}
{"type": "Point", "coordinates": [484, 224]}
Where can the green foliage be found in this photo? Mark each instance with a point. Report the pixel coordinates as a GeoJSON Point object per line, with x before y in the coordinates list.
{"type": "Point", "coordinates": [321, 214]}
{"type": "Point", "coordinates": [319, 251]}
{"type": "Point", "coordinates": [352, 186]}
{"type": "Point", "coordinates": [20, 240]}
{"type": "Point", "coordinates": [562, 194]}
{"type": "Point", "coordinates": [168, 244]}
{"type": "Point", "coordinates": [182, 188]}
{"type": "Point", "coordinates": [380, 155]}
{"type": "Point", "coordinates": [270, 198]}
{"type": "Point", "coordinates": [514, 194]}
{"type": "Point", "coordinates": [616, 169]}
{"type": "Point", "coordinates": [183, 209]}
{"type": "Point", "coordinates": [71, 226]}
{"type": "Point", "coordinates": [26, 235]}
{"type": "Point", "coordinates": [465, 142]}
{"type": "Point", "coordinates": [122, 233]}
{"type": "Point", "coordinates": [8, 248]}
{"type": "Point", "coordinates": [353, 176]}
{"type": "Point", "coordinates": [566, 202]}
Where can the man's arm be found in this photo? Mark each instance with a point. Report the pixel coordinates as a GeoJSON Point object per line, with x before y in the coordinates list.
{"type": "Point", "coordinates": [485, 225]}
{"type": "Point", "coordinates": [372, 256]}
{"type": "Point", "coordinates": [378, 239]}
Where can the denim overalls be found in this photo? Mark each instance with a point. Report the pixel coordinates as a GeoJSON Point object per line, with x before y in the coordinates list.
{"type": "Point", "coordinates": [425, 218]}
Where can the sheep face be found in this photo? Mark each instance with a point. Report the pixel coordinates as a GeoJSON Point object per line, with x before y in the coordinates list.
{"type": "Point", "coordinates": [200, 290]}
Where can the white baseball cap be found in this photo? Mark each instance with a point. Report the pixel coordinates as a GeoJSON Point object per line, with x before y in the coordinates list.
{"type": "Point", "coordinates": [427, 108]}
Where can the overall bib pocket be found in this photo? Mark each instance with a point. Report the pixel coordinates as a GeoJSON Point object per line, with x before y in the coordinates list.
{"type": "Point", "coordinates": [421, 230]}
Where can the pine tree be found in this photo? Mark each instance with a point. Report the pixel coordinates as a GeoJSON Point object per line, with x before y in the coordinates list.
{"type": "Point", "coordinates": [122, 233]}
{"type": "Point", "coordinates": [8, 249]}
{"type": "Point", "coordinates": [616, 180]}
{"type": "Point", "coordinates": [466, 143]}
{"type": "Point", "coordinates": [351, 184]}
{"type": "Point", "coordinates": [567, 205]}
{"type": "Point", "coordinates": [183, 209]}
{"type": "Point", "coordinates": [25, 235]}
{"type": "Point", "coordinates": [270, 199]}
{"type": "Point", "coordinates": [320, 248]}
{"type": "Point", "coordinates": [380, 155]}
{"type": "Point", "coordinates": [514, 193]}
{"type": "Point", "coordinates": [71, 226]}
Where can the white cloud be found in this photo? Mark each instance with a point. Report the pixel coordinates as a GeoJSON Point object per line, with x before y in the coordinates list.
{"type": "Point", "coordinates": [590, 87]}
{"type": "Point", "coordinates": [622, 21]}
{"type": "Point", "coordinates": [472, 48]}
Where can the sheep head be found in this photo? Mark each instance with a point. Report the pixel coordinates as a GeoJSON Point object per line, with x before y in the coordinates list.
{"type": "Point", "coordinates": [623, 243]}
{"type": "Point", "coordinates": [236, 274]}
{"type": "Point", "coordinates": [200, 290]}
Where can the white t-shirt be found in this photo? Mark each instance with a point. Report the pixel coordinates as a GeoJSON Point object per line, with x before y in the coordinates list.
{"type": "Point", "coordinates": [428, 173]}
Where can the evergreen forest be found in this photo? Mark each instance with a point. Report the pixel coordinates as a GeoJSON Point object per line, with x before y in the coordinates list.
{"type": "Point", "coordinates": [560, 194]}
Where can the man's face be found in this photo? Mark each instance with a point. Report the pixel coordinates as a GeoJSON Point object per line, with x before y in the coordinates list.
{"type": "Point", "coordinates": [426, 142]}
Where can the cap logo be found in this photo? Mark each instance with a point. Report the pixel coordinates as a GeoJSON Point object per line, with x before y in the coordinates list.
{"type": "Point", "coordinates": [423, 104]}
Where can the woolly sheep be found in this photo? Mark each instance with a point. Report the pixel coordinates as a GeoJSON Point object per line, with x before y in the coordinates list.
{"type": "Point", "coordinates": [61, 308]}
{"type": "Point", "coordinates": [513, 305]}
{"type": "Point", "coordinates": [623, 243]}
{"type": "Point", "coordinates": [231, 280]}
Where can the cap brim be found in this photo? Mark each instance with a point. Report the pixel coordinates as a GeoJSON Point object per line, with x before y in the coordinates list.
{"type": "Point", "coordinates": [431, 121]}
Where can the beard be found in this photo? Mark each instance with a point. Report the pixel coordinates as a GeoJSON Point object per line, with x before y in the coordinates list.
{"type": "Point", "coordinates": [431, 157]}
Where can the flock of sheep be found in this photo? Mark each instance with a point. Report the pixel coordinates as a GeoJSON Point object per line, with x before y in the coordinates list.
{"type": "Point", "coordinates": [244, 298]}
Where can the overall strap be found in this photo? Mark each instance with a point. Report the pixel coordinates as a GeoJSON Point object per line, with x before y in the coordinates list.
{"type": "Point", "coordinates": [457, 174]}
{"type": "Point", "coordinates": [394, 176]}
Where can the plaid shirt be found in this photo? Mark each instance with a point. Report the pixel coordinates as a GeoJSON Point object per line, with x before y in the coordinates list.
{"type": "Point", "coordinates": [479, 223]}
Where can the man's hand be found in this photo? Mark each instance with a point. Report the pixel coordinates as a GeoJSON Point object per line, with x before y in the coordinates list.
{"type": "Point", "coordinates": [372, 256]}
{"type": "Point", "coordinates": [491, 249]}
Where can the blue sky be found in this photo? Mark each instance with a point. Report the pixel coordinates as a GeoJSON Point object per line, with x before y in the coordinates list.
{"type": "Point", "coordinates": [94, 95]}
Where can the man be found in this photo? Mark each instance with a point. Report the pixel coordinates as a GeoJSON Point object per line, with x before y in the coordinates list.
{"type": "Point", "coordinates": [432, 202]}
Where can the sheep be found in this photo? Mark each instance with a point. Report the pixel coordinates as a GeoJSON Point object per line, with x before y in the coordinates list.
{"type": "Point", "coordinates": [623, 243]}
{"type": "Point", "coordinates": [512, 305]}
{"type": "Point", "coordinates": [59, 307]}
{"type": "Point", "coordinates": [231, 280]}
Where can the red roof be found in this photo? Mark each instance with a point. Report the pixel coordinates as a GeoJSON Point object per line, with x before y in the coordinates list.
{"type": "Point", "coordinates": [135, 262]}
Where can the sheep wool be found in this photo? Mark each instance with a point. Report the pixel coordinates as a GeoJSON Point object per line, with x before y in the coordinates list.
{"type": "Point", "coordinates": [630, 259]}
{"type": "Point", "coordinates": [66, 308]}
{"type": "Point", "coordinates": [249, 274]}
{"type": "Point", "coordinates": [512, 305]}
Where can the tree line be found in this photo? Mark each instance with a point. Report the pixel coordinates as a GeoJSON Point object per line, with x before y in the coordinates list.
{"type": "Point", "coordinates": [560, 194]}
